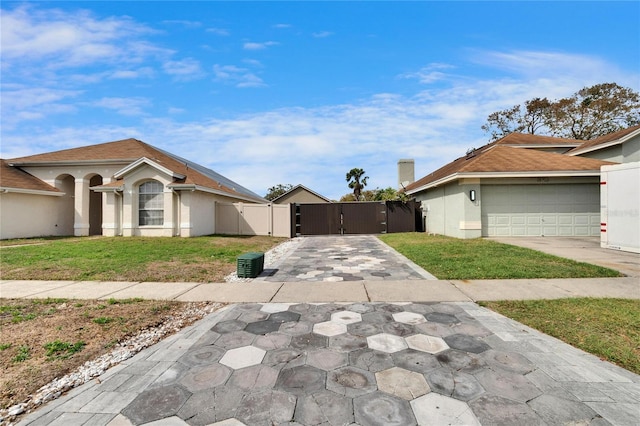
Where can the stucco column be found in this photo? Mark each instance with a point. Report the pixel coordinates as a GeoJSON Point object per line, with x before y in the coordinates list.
{"type": "Point", "coordinates": [81, 208]}
{"type": "Point", "coordinates": [129, 212]}
{"type": "Point", "coordinates": [169, 214]}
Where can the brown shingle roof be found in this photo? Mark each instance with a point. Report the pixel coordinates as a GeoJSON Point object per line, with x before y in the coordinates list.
{"type": "Point", "coordinates": [528, 139]}
{"type": "Point", "coordinates": [12, 177]}
{"type": "Point", "coordinates": [130, 150]}
{"type": "Point", "coordinates": [506, 159]}
{"type": "Point", "coordinates": [605, 139]}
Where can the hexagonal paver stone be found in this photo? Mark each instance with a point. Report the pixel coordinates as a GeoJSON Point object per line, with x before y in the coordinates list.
{"type": "Point", "coordinates": [385, 342]}
{"type": "Point", "coordinates": [398, 329]}
{"type": "Point", "coordinates": [283, 317]}
{"type": "Point", "coordinates": [442, 318]}
{"type": "Point", "coordinates": [409, 318]}
{"type": "Point", "coordinates": [436, 409]}
{"type": "Point", "coordinates": [315, 317]}
{"type": "Point", "coordinates": [243, 357]}
{"type": "Point", "coordinates": [424, 343]}
{"type": "Point", "coordinates": [228, 422]}
{"type": "Point", "coordinates": [284, 358]}
{"type": "Point", "coordinates": [272, 341]}
{"type": "Point", "coordinates": [301, 380]}
{"type": "Point", "coordinates": [389, 307]}
{"type": "Point", "coordinates": [205, 377]}
{"type": "Point", "coordinates": [262, 327]}
{"type": "Point", "coordinates": [272, 308]}
{"type": "Point", "coordinates": [202, 356]}
{"type": "Point", "coordinates": [380, 318]}
{"type": "Point", "coordinates": [258, 376]}
{"type": "Point", "coordinates": [253, 316]}
{"type": "Point", "coordinates": [329, 328]}
{"type": "Point", "coordinates": [370, 360]}
{"type": "Point", "coordinates": [382, 409]}
{"type": "Point", "coordinates": [207, 339]}
{"type": "Point", "coordinates": [326, 359]}
{"type": "Point", "coordinates": [346, 317]}
{"type": "Point", "coordinates": [364, 329]}
{"type": "Point", "coordinates": [267, 407]}
{"type": "Point", "coordinates": [347, 343]}
{"type": "Point", "coordinates": [461, 386]}
{"type": "Point", "coordinates": [402, 383]}
{"type": "Point", "coordinates": [229, 326]}
{"type": "Point", "coordinates": [360, 308]}
{"type": "Point", "coordinates": [211, 405]}
{"type": "Point", "coordinates": [435, 329]}
{"type": "Point", "coordinates": [156, 404]}
{"type": "Point", "coordinates": [309, 341]}
{"type": "Point", "coordinates": [351, 381]}
{"type": "Point", "coordinates": [509, 361]}
{"type": "Point", "coordinates": [507, 385]}
{"type": "Point", "coordinates": [296, 328]}
{"type": "Point", "coordinates": [235, 339]}
{"type": "Point", "coordinates": [324, 408]}
{"type": "Point", "coordinates": [467, 343]}
{"type": "Point", "coordinates": [462, 361]}
{"type": "Point", "coordinates": [492, 409]}
{"type": "Point", "coordinates": [420, 362]}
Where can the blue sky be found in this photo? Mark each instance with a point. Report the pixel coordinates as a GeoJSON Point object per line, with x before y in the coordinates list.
{"type": "Point", "coordinates": [297, 92]}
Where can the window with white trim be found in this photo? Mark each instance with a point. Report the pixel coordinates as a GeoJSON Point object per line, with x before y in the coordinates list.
{"type": "Point", "coordinates": [151, 203]}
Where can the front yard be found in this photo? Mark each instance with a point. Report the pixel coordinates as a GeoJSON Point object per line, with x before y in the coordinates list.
{"type": "Point", "coordinates": [43, 339]}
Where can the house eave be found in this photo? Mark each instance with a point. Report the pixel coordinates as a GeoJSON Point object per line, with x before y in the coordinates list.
{"type": "Point", "coordinates": [502, 175]}
{"type": "Point", "coordinates": [144, 160]}
{"type": "Point", "coordinates": [69, 162]}
{"type": "Point", "coordinates": [192, 187]}
{"type": "Point", "coordinates": [5, 190]}
{"type": "Point", "coordinates": [605, 145]}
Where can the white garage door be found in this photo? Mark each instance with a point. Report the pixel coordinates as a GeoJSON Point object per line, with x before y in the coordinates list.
{"type": "Point", "coordinates": [535, 210]}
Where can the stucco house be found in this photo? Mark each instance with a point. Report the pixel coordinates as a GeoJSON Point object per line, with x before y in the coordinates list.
{"type": "Point", "coordinates": [300, 194]}
{"type": "Point", "coordinates": [125, 187]}
{"type": "Point", "coordinates": [523, 185]}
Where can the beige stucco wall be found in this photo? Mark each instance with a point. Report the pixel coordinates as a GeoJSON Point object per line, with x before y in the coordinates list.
{"type": "Point", "coordinates": [28, 215]}
{"type": "Point", "coordinates": [197, 213]}
{"type": "Point", "coordinates": [449, 211]}
{"type": "Point", "coordinates": [300, 196]}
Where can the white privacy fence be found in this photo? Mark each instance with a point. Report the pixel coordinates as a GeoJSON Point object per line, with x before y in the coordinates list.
{"type": "Point", "coordinates": [253, 219]}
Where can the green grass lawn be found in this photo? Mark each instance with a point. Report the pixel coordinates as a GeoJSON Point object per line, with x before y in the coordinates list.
{"type": "Point", "coordinates": [607, 328]}
{"type": "Point", "coordinates": [199, 259]}
{"type": "Point", "coordinates": [455, 259]}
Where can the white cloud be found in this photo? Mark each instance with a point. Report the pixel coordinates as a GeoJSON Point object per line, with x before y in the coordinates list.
{"type": "Point", "coordinates": [239, 77]}
{"type": "Point", "coordinates": [185, 69]}
{"type": "Point", "coordinates": [68, 39]}
{"type": "Point", "coordinates": [218, 31]}
{"type": "Point", "coordinates": [282, 26]}
{"type": "Point", "coordinates": [322, 34]}
{"type": "Point", "coordinates": [429, 74]}
{"type": "Point", "coordinates": [259, 46]}
{"type": "Point", "coordinates": [184, 23]}
{"type": "Point", "coordinates": [123, 106]}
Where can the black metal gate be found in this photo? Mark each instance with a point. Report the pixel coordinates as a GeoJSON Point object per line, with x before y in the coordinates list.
{"type": "Point", "coordinates": [356, 218]}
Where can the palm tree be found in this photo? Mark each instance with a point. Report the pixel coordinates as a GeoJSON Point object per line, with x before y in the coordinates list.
{"type": "Point", "coordinates": [354, 178]}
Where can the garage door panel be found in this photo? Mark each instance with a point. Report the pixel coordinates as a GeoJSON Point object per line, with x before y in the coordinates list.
{"type": "Point", "coordinates": [534, 210]}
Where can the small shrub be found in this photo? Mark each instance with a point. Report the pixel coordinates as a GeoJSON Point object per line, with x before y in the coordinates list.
{"type": "Point", "coordinates": [62, 350]}
{"type": "Point", "coordinates": [23, 354]}
{"type": "Point", "coordinates": [102, 320]}
{"type": "Point", "coordinates": [4, 346]}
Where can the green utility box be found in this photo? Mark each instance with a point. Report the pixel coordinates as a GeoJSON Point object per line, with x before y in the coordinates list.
{"type": "Point", "coordinates": [250, 265]}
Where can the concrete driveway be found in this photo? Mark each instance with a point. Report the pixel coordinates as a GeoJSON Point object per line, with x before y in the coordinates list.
{"type": "Point", "coordinates": [581, 249]}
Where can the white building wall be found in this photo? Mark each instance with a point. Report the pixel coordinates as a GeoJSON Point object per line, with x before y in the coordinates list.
{"type": "Point", "coordinates": [29, 215]}
{"type": "Point", "coordinates": [620, 207]}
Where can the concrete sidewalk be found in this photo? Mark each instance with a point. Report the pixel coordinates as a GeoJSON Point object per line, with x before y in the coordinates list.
{"type": "Point", "coordinates": [351, 291]}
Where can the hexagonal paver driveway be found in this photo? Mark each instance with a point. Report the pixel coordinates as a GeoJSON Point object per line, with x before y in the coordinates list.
{"type": "Point", "coordinates": [369, 364]}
